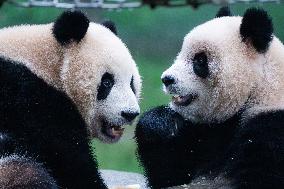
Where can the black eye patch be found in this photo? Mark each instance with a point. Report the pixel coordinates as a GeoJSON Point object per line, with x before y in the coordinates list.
{"type": "Point", "coordinates": [200, 65]}
{"type": "Point", "coordinates": [105, 86]}
{"type": "Point", "coordinates": [132, 85]}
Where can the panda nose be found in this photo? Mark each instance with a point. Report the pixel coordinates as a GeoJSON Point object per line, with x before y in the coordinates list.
{"type": "Point", "coordinates": [129, 116]}
{"type": "Point", "coordinates": [168, 80]}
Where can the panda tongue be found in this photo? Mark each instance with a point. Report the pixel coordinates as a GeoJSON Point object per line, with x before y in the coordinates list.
{"type": "Point", "coordinates": [117, 131]}
{"type": "Point", "coordinates": [182, 100]}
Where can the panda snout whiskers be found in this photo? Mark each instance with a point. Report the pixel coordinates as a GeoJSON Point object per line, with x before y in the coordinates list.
{"type": "Point", "coordinates": [180, 94]}
{"type": "Point", "coordinates": [171, 89]}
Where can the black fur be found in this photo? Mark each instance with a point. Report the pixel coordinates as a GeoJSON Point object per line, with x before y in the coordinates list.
{"type": "Point", "coordinates": [132, 85]}
{"type": "Point", "coordinates": [200, 65]}
{"type": "Point", "coordinates": [6, 143]}
{"type": "Point", "coordinates": [161, 123]}
{"type": "Point", "coordinates": [224, 11]}
{"type": "Point", "coordinates": [256, 153]}
{"type": "Point", "coordinates": [105, 86]}
{"type": "Point", "coordinates": [110, 25]}
{"type": "Point", "coordinates": [246, 157]}
{"type": "Point", "coordinates": [44, 125]}
{"type": "Point", "coordinates": [257, 28]}
{"type": "Point", "coordinates": [70, 26]}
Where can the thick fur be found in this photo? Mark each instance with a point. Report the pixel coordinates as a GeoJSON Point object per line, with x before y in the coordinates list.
{"type": "Point", "coordinates": [41, 127]}
{"type": "Point", "coordinates": [70, 26]}
{"type": "Point", "coordinates": [226, 155]}
{"type": "Point", "coordinates": [110, 25]}
{"type": "Point", "coordinates": [77, 67]}
{"type": "Point", "coordinates": [224, 11]}
{"type": "Point", "coordinates": [23, 173]}
{"type": "Point", "coordinates": [233, 136]}
{"type": "Point", "coordinates": [257, 28]}
{"type": "Point", "coordinates": [49, 82]}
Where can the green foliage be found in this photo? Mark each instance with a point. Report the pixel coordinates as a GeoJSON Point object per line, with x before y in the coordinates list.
{"type": "Point", "coordinates": [154, 37]}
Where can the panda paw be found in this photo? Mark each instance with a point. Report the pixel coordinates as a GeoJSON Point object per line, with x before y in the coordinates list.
{"type": "Point", "coordinates": [22, 172]}
{"type": "Point", "coordinates": [159, 124]}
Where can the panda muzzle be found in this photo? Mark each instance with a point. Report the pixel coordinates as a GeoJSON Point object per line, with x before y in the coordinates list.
{"type": "Point", "coordinates": [112, 131]}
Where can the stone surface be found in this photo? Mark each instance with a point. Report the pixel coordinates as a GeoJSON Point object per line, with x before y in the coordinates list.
{"type": "Point", "coordinates": [122, 179]}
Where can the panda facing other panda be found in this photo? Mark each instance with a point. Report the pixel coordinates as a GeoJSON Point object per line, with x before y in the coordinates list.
{"type": "Point", "coordinates": [61, 85]}
{"type": "Point", "coordinates": [225, 125]}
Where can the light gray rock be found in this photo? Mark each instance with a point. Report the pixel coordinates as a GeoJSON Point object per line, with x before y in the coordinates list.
{"type": "Point", "coordinates": [121, 178]}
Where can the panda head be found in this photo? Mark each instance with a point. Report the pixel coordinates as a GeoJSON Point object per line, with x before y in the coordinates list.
{"type": "Point", "coordinates": [219, 66]}
{"type": "Point", "coordinates": [98, 74]}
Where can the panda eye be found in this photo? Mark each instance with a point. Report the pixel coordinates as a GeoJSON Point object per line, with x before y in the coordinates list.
{"type": "Point", "coordinates": [105, 86]}
{"type": "Point", "coordinates": [107, 83]}
{"type": "Point", "coordinates": [200, 65]}
{"type": "Point", "coordinates": [132, 85]}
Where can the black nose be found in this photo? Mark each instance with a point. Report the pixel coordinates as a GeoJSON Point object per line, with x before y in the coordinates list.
{"type": "Point", "coordinates": [129, 116]}
{"type": "Point", "coordinates": [168, 80]}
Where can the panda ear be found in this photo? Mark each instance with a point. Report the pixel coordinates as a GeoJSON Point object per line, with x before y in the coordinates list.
{"type": "Point", "coordinates": [110, 25]}
{"type": "Point", "coordinates": [223, 11]}
{"type": "Point", "coordinates": [257, 28]}
{"type": "Point", "coordinates": [70, 26]}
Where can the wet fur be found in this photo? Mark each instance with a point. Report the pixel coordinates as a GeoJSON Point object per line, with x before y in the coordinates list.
{"type": "Point", "coordinates": [41, 128]}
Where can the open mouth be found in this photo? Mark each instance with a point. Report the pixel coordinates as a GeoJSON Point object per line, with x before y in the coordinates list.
{"type": "Point", "coordinates": [112, 131]}
{"type": "Point", "coordinates": [183, 100]}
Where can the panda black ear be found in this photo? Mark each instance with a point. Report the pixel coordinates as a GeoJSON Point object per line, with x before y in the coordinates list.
{"type": "Point", "coordinates": [223, 11]}
{"type": "Point", "coordinates": [257, 28]}
{"type": "Point", "coordinates": [70, 25]}
{"type": "Point", "coordinates": [110, 25]}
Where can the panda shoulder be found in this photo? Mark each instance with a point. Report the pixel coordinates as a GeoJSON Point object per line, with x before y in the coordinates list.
{"type": "Point", "coordinates": [10, 69]}
{"type": "Point", "coordinates": [266, 118]}
{"type": "Point", "coordinates": [15, 77]}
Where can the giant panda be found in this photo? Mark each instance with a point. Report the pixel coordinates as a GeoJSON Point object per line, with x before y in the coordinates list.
{"type": "Point", "coordinates": [224, 127]}
{"type": "Point", "coordinates": [62, 84]}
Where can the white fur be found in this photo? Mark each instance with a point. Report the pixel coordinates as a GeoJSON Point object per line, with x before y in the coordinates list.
{"type": "Point", "coordinates": [77, 69]}
{"type": "Point", "coordinates": [239, 76]}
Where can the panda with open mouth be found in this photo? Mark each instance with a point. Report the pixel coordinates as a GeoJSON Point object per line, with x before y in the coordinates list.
{"type": "Point", "coordinates": [224, 127]}
{"type": "Point", "coordinates": [62, 84]}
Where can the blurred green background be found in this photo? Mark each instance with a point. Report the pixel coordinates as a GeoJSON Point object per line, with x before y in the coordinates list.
{"type": "Point", "coordinates": [154, 37]}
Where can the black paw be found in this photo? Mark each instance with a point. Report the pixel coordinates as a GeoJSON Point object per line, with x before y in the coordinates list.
{"type": "Point", "coordinates": [158, 125]}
